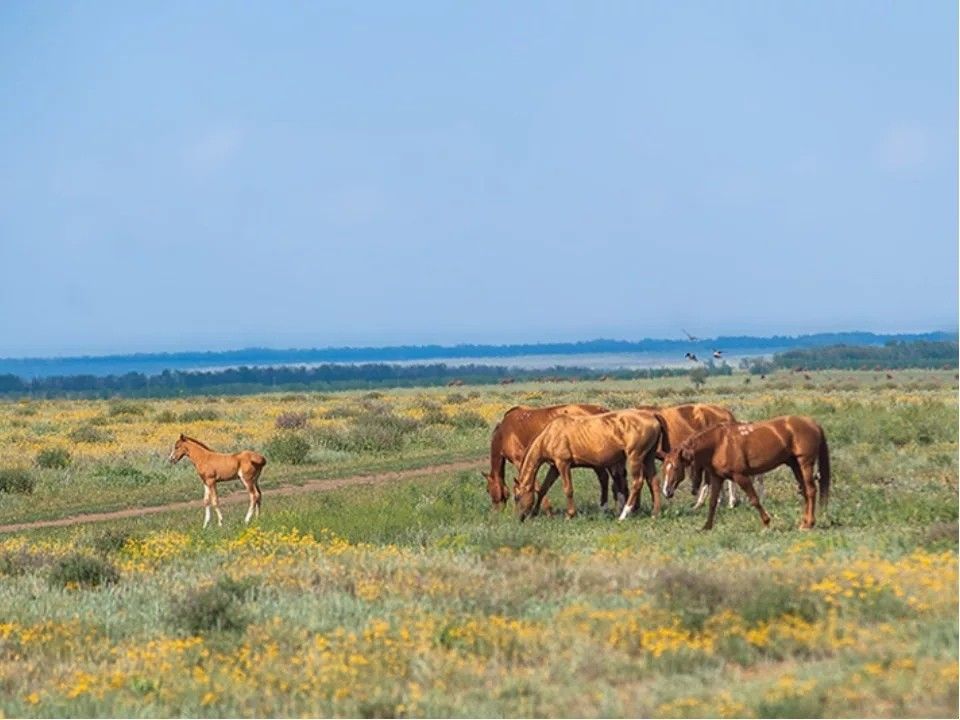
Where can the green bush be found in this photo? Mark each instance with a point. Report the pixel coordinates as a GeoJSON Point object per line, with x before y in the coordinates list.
{"type": "Point", "coordinates": [53, 458]}
{"type": "Point", "coordinates": [198, 415]}
{"type": "Point", "coordinates": [90, 434]}
{"type": "Point", "coordinates": [123, 407]}
{"type": "Point", "coordinates": [215, 608]}
{"type": "Point", "coordinates": [691, 595]}
{"type": "Point", "coordinates": [369, 433]}
{"type": "Point", "coordinates": [82, 570]}
{"type": "Point", "coordinates": [287, 447]}
{"type": "Point", "coordinates": [166, 417]}
{"type": "Point", "coordinates": [467, 420]}
{"type": "Point", "coordinates": [18, 481]}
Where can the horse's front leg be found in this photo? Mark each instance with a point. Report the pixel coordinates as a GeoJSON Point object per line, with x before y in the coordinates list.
{"type": "Point", "coordinates": [746, 484]}
{"type": "Point", "coordinates": [650, 475]}
{"type": "Point", "coordinates": [636, 487]}
{"type": "Point", "coordinates": [715, 486]}
{"type": "Point", "coordinates": [214, 501]}
{"type": "Point", "coordinates": [564, 469]}
{"type": "Point", "coordinates": [548, 482]}
{"type": "Point", "coordinates": [206, 505]}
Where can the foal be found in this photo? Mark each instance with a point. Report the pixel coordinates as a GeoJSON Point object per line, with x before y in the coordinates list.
{"type": "Point", "coordinates": [214, 467]}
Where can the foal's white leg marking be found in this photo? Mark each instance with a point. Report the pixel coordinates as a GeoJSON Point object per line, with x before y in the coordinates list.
{"type": "Point", "coordinates": [627, 509]}
{"type": "Point", "coordinates": [206, 517]}
{"type": "Point", "coordinates": [219, 517]}
{"type": "Point", "coordinates": [704, 489]}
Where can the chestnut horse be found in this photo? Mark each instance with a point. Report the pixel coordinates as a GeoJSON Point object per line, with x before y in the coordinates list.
{"type": "Point", "coordinates": [624, 436]}
{"type": "Point", "coordinates": [735, 451]}
{"type": "Point", "coordinates": [514, 433]}
{"type": "Point", "coordinates": [214, 467]}
{"type": "Point", "coordinates": [678, 423]}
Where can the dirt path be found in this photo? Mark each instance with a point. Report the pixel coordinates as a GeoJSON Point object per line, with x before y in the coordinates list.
{"type": "Point", "coordinates": [237, 495]}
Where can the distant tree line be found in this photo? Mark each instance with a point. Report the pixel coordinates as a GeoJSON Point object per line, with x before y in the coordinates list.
{"type": "Point", "coordinates": [892, 356]}
{"type": "Point", "coordinates": [244, 380]}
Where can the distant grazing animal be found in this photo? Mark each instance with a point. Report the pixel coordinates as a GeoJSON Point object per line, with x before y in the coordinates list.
{"type": "Point", "coordinates": [889, 376]}
{"type": "Point", "coordinates": [512, 437]}
{"type": "Point", "coordinates": [455, 383]}
{"type": "Point", "coordinates": [806, 377]}
{"type": "Point", "coordinates": [507, 381]}
{"type": "Point", "coordinates": [214, 467]}
{"type": "Point", "coordinates": [624, 436]}
{"type": "Point", "coordinates": [679, 423]}
{"type": "Point", "coordinates": [735, 451]}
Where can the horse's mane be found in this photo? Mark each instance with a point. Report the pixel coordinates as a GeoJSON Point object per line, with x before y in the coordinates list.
{"type": "Point", "coordinates": [197, 442]}
{"type": "Point", "coordinates": [695, 442]}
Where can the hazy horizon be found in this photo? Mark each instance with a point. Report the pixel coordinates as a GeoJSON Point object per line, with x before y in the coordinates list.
{"type": "Point", "coordinates": [209, 176]}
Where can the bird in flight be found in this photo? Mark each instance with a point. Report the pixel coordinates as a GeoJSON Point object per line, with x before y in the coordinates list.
{"type": "Point", "coordinates": [718, 354]}
{"type": "Point", "coordinates": [691, 338]}
{"type": "Point", "coordinates": [691, 356]}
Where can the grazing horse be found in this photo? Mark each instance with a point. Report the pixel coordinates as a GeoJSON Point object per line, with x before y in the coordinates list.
{"type": "Point", "coordinates": [214, 467]}
{"type": "Point", "coordinates": [735, 451]}
{"type": "Point", "coordinates": [625, 436]}
{"type": "Point", "coordinates": [514, 433]}
{"type": "Point", "coordinates": [679, 423]}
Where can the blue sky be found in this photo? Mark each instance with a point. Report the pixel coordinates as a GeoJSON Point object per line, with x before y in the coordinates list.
{"type": "Point", "coordinates": [218, 175]}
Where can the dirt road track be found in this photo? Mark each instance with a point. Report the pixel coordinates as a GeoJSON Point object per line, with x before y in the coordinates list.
{"type": "Point", "coordinates": [238, 496]}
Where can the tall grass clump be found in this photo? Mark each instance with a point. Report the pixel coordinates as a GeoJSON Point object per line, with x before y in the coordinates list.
{"type": "Point", "coordinates": [17, 481]}
{"type": "Point", "coordinates": [125, 407]}
{"type": "Point", "coordinates": [82, 571]}
{"type": "Point", "coordinates": [53, 458]}
{"type": "Point", "coordinates": [199, 414]}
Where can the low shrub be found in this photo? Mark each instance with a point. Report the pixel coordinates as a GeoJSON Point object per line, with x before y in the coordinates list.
{"type": "Point", "coordinates": [467, 420]}
{"type": "Point", "coordinates": [291, 421]}
{"type": "Point", "coordinates": [53, 458]}
{"type": "Point", "coordinates": [693, 596]}
{"type": "Point", "coordinates": [368, 433]}
{"type": "Point", "coordinates": [90, 434]}
{"type": "Point", "coordinates": [214, 608]}
{"type": "Point", "coordinates": [287, 447]}
{"type": "Point", "coordinates": [198, 415]}
{"type": "Point", "coordinates": [82, 571]}
{"type": "Point", "coordinates": [18, 481]}
{"type": "Point", "coordinates": [166, 417]}
{"type": "Point", "coordinates": [124, 407]}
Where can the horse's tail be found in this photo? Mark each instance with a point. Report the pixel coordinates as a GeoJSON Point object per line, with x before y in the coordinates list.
{"type": "Point", "coordinates": [662, 446]}
{"type": "Point", "coordinates": [823, 469]}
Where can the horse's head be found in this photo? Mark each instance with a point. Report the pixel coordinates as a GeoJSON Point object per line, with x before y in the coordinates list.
{"type": "Point", "coordinates": [496, 489]}
{"type": "Point", "coordinates": [179, 449]}
{"type": "Point", "coordinates": [675, 469]}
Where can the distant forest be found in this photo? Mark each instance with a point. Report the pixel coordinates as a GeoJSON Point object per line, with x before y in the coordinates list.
{"type": "Point", "coordinates": [242, 380]}
{"type": "Point", "coordinates": [892, 356]}
{"type": "Point", "coordinates": [155, 363]}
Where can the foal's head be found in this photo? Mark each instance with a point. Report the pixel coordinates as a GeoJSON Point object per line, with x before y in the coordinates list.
{"type": "Point", "coordinates": [674, 469]}
{"type": "Point", "coordinates": [179, 449]}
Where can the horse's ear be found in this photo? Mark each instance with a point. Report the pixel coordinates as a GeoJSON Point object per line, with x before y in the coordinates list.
{"type": "Point", "coordinates": [182, 436]}
{"type": "Point", "coordinates": [661, 455]}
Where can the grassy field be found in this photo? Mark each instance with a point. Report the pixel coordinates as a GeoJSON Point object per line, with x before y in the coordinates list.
{"type": "Point", "coordinates": [413, 598]}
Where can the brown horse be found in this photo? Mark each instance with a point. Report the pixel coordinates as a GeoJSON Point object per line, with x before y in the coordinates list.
{"type": "Point", "coordinates": [514, 433]}
{"type": "Point", "coordinates": [735, 451]}
{"type": "Point", "coordinates": [214, 467]}
{"type": "Point", "coordinates": [679, 423]}
{"type": "Point", "coordinates": [626, 436]}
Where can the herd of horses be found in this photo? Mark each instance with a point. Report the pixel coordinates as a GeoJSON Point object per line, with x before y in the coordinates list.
{"type": "Point", "coordinates": [704, 441]}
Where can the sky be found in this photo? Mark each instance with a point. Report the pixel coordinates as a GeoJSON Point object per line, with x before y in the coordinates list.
{"type": "Point", "coordinates": [216, 175]}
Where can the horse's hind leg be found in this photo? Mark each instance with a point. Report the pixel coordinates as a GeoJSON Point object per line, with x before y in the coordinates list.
{"type": "Point", "coordinates": [715, 486]}
{"type": "Point", "coordinates": [251, 485]}
{"type": "Point", "coordinates": [604, 481]}
{"type": "Point", "coordinates": [810, 494]}
{"type": "Point", "coordinates": [206, 506]}
{"type": "Point", "coordinates": [747, 486]}
{"type": "Point", "coordinates": [619, 475]}
{"type": "Point", "coordinates": [650, 475]}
